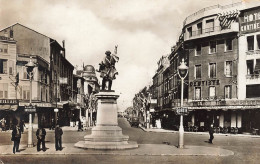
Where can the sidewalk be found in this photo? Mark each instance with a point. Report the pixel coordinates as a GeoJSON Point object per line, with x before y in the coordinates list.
{"type": "Point", "coordinates": [143, 149]}
{"type": "Point", "coordinates": [200, 133]}
{"type": "Point", "coordinates": [64, 128]}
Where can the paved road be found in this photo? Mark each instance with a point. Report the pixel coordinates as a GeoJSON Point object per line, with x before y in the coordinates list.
{"type": "Point", "coordinates": [246, 149]}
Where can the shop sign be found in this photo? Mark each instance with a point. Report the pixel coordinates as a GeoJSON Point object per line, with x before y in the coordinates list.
{"type": "Point", "coordinates": [30, 109]}
{"type": "Point", "coordinates": [204, 83]}
{"type": "Point", "coordinates": [63, 80]}
{"type": "Point", "coordinates": [182, 111]}
{"type": "Point", "coordinates": [9, 102]}
{"type": "Point", "coordinates": [251, 21]}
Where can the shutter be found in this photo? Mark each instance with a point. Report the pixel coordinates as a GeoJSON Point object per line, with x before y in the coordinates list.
{"type": "Point", "coordinates": [5, 66]}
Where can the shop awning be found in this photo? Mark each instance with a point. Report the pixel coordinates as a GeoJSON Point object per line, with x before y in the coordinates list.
{"type": "Point", "coordinates": [8, 107]}
{"type": "Point", "coordinates": [235, 107]}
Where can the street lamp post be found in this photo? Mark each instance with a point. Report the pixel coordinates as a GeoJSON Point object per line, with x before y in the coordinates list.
{"type": "Point", "coordinates": [56, 110]}
{"type": "Point", "coordinates": [30, 65]}
{"type": "Point", "coordinates": [182, 72]}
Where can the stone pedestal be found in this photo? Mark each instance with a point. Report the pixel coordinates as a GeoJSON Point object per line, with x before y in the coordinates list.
{"type": "Point", "coordinates": [107, 134]}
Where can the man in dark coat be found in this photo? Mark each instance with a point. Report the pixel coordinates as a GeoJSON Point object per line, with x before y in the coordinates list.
{"type": "Point", "coordinates": [58, 137]}
{"type": "Point", "coordinates": [211, 131]}
{"type": "Point", "coordinates": [79, 125]}
{"type": "Point", "coordinates": [16, 136]}
{"type": "Point", "coordinates": [41, 133]}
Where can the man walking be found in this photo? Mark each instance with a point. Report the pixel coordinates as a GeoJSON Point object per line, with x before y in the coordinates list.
{"type": "Point", "coordinates": [16, 136]}
{"type": "Point", "coordinates": [41, 133]}
{"type": "Point", "coordinates": [211, 131]}
{"type": "Point", "coordinates": [58, 137]}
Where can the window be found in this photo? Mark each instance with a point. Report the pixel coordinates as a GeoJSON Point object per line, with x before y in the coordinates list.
{"type": "Point", "coordinates": [25, 74]}
{"type": "Point", "coordinates": [11, 65]}
{"type": "Point", "coordinates": [198, 50]}
{"type": "Point", "coordinates": [212, 47]}
{"type": "Point", "coordinates": [227, 92]}
{"type": "Point", "coordinates": [250, 67]}
{"type": "Point", "coordinates": [3, 66]}
{"type": "Point", "coordinates": [212, 70]}
{"type": "Point", "coordinates": [26, 92]}
{"type": "Point", "coordinates": [250, 43]}
{"type": "Point", "coordinates": [197, 93]}
{"type": "Point", "coordinates": [197, 71]}
{"type": "Point", "coordinates": [212, 92]}
{"type": "Point", "coordinates": [258, 41]}
{"type": "Point", "coordinates": [3, 90]}
{"type": "Point", "coordinates": [228, 68]}
{"type": "Point", "coordinates": [189, 31]}
{"type": "Point", "coordinates": [3, 48]}
{"type": "Point", "coordinates": [199, 27]}
{"type": "Point", "coordinates": [209, 25]}
{"type": "Point", "coordinates": [229, 45]}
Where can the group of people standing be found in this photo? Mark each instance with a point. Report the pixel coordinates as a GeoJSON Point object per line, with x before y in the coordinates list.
{"type": "Point", "coordinates": [40, 133]}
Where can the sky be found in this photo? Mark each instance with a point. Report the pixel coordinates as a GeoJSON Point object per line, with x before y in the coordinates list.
{"type": "Point", "coordinates": [144, 30]}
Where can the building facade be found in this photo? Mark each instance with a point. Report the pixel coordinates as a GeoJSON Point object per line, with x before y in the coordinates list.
{"type": "Point", "coordinates": [8, 81]}
{"type": "Point", "coordinates": [46, 75]}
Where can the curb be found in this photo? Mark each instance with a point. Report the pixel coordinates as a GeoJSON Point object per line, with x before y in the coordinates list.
{"type": "Point", "coordinates": [201, 133]}
{"type": "Point", "coordinates": [142, 150]}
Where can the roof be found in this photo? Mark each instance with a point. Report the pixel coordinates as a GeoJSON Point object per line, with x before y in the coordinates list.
{"type": "Point", "coordinates": [24, 27]}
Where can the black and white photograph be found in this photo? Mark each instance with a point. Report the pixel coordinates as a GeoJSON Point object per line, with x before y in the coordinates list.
{"type": "Point", "coordinates": [129, 81]}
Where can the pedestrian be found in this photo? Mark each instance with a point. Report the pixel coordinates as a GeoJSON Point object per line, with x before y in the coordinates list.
{"type": "Point", "coordinates": [22, 126]}
{"type": "Point", "coordinates": [3, 124]}
{"type": "Point", "coordinates": [211, 131]}
{"type": "Point", "coordinates": [79, 125]}
{"type": "Point", "coordinates": [16, 136]}
{"type": "Point", "coordinates": [52, 124]}
{"type": "Point", "coordinates": [41, 133]}
{"type": "Point", "coordinates": [58, 138]}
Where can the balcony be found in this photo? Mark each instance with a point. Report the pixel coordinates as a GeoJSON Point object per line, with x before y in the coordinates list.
{"type": "Point", "coordinates": [211, 31]}
{"type": "Point", "coordinates": [253, 54]}
{"type": "Point", "coordinates": [253, 79]}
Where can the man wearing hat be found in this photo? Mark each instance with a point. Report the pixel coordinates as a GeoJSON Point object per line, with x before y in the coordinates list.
{"type": "Point", "coordinates": [107, 69]}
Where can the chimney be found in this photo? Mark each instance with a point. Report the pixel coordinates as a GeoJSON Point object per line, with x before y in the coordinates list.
{"type": "Point", "coordinates": [11, 33]}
